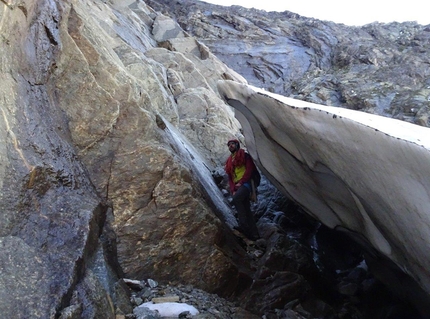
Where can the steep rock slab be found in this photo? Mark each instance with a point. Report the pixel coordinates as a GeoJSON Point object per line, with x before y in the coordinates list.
{"type": "Point", "coordinates": [80, 126]}
{"type": "Point", "coordinates": [120, 94]}
{"type": "Point", "coordinates": [360, 173]}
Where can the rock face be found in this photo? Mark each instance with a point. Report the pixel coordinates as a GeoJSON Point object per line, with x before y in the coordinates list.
{"type": "Point", "coordinates": [378, 68]}
{"type": "Point", "coordinates": [111, 127]}
{"type": "Point", "coordinates": [51, 214]}
{"type": "Point", "coordinates": [359, 173]}
{"type": "Point", "coordinates": [97, 123]}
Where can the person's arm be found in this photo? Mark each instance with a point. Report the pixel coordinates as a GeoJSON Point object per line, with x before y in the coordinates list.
{"type": "Point", "coordinates": [231, 184]}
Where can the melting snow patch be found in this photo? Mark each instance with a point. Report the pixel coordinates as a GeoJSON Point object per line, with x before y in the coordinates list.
{"type": "Point", "coordinates": [170, 309]}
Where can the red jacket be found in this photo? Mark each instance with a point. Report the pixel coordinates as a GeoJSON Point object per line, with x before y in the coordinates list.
{"type": "Point", "coordinates": [249, 170]}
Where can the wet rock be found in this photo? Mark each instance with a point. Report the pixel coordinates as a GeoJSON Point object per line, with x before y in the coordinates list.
{"type": "Point", "coordinates": [95, 301]}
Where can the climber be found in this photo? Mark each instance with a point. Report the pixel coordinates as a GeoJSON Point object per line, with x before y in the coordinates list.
{"type": "Point", "coordinates": [240, 169]}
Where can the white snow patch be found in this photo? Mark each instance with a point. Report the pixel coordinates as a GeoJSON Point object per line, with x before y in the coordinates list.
{"type": "Point", "coordinates": [400, 129]}
{"type": "Point", "coordinates": [170, 309]}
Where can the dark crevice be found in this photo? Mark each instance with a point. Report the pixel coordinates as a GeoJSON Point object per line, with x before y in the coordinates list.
{"type": "Point", "coordinates": [50, 36]}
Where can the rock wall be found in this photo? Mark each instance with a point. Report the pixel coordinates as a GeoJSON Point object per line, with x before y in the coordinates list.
{"type": "Point", "coordinates": [111, 125]}
{"type": "Point", "coordinates": [51, 214]}
{"type": "Point", "coordinates": [96, 102]}
{"type": "Point", "coordinates": [115, 94]}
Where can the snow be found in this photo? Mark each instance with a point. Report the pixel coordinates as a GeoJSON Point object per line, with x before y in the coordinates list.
{"type": "Point", "coordinates": [362, 173]}
{"type": "Point", "coordinates": [170, 309]}
{"type": "Point", "coordinates": [395, 128]}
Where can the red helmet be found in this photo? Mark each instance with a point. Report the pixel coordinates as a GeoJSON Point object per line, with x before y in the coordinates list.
{"type": "Point", "coordinates": [233, 141]}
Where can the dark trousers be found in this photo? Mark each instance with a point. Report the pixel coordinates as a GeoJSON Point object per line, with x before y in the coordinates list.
{"type": "Point", "coordinates": [245, 216]}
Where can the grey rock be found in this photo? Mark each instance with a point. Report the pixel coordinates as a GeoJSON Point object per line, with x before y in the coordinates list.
{"type": "Point", "coordinates": [165, 28]}
{"type": "Point", "coordinates": [122, 296]}
{"type": "Point", "coordinates": [21, 278]}
{"type": "Point", "coordinates": [377, 68]}
{"type": "Point", "coordinates": [348, 288]}
{"type": "Point", "coordinates": [185, 315]}
{"type": "Point", "coordinates": [71, 312]}
{"type": "Point", "coordinates": [152, 283]}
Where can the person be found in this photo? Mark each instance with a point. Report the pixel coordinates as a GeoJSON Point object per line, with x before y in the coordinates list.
{"type": "Point", "coordinates": [240, 169]}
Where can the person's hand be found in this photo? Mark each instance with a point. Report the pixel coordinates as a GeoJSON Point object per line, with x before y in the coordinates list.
{"type": "Point", "coordinates": [237, 186]}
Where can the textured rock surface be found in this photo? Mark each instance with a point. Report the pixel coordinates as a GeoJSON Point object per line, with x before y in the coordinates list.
{"type": "Point", "coordinates": [377, 68]}
{"type": "Point", "coordinates": [50, 213]}
{"type": "Point", "coordinates": [160, 217]}
{"type": "Point", "coordinates": [324, 158]}
{"type": "Point", "coordinates": [86, 106]}
{"type": "Point", "coordinates": [111, 124]}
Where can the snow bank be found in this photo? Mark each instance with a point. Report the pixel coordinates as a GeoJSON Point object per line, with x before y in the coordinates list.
{"type": "Point", "coordinates": [361, 173]}
{"type": "Point", "coordinates": [170, 309]}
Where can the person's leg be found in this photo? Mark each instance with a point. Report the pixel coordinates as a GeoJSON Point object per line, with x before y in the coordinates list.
{"type": "Point", "coordinates": [244, 213]}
